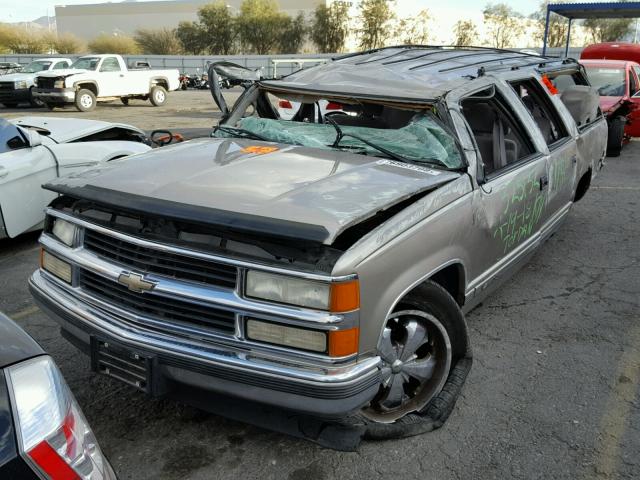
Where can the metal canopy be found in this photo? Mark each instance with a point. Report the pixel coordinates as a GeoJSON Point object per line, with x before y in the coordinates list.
{"type": "Point", "coordinates": [574, 11]}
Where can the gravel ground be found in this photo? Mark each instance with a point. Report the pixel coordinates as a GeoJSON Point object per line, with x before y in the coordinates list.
{"type": "Point", "coordinates": [553, 393]}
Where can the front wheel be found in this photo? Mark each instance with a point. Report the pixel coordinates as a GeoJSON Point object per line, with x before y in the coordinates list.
{"type": "Point", "coordinates": [158, 96]}
{"type": "Point", "coordinates": [85, 100]}
{"type": "Point", "coordinates": [34, 101]}
{"type": "Point", "coordinates": [422, 341]}
{"type": "Point", "coordinates": [616, 136]}
{"type": "Point", "coordinates": [124, 100]}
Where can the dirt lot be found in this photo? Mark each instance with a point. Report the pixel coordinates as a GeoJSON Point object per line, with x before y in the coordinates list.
{"type": "Point", "coordinates": [553, 394]}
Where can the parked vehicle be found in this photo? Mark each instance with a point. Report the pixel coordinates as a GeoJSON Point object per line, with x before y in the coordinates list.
{"type": "Point", "coordinates": [96, 78]}
{"type": "Point", "coordinates": [324, 264]}
{"type": "Point", "coordinates": [43, 432]}
{"type": "Point", "coordinates": [9, 67]}
{"type": "Point", "coordinates": [614, 69]}
{"type": "Point", "coordinates": [16, 88]}
{"type": "Point", "coordinates": [35, 150]}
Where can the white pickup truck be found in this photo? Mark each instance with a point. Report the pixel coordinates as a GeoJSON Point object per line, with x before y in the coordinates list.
{"type": "Point", "coordinates": [94, 78]}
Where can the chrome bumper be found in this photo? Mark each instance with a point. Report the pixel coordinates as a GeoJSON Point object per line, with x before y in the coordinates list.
{"type": "Point", "coordinates": [309, 388]}
{"type": "Point", "coordinates": [67, 95]}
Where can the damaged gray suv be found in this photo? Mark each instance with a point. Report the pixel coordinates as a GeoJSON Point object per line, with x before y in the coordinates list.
{"type": "Point", "coordinates": [319, 252]}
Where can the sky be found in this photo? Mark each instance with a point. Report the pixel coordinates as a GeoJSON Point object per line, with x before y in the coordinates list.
{"type": "Point", "coordinates": [27, 10]}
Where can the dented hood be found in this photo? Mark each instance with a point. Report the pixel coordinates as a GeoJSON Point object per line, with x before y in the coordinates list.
{"type": "Point", "coordinates": [255, 187]}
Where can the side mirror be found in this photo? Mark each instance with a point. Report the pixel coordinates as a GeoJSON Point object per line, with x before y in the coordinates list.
{"type": "Point", "coordinates": [34, 138]}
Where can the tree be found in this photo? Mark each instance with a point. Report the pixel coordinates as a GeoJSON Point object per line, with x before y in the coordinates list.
{"type": "Point", "coordinates": [376, 17]}
{"type": "Point", "coordinates": [503, 24]}
{"type": "Point", "coordinates": [558, 26]}
{"type": "Point", "coordinates": [260, 25]}
{"type": "Point", "coordinates": [466, 33]}
{"type": "Point", "coordinates": [161, 41]}
{"type": "Point", "coordinates": [20, 40]}
{"type": "Point", "coordinates": [191, 37]}
{"type": "Point", "coordinates": [68, 43]}
{"type": "Point", "coordinates": [293, 33]}
{"type": "Point", "coordinates": [607, 30]}
{"type": "Point", "coordinates": [121, 44]}
{"type": "Point", "coordinates": [413, 30]}
{"type": "Point", "coordinates": [330, 27]}
{"type": "Point", "coordinates": [218, 28]}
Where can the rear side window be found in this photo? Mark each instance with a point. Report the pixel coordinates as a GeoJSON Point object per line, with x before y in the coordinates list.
{"type": "Point", "coordinates": [61, 66]}
{"type": "Point", "coordinates": [542, 110]}
{"type": "Point", "coordinates": [499, 134]}
{"type": "Point", "coordinates": [633, 84]}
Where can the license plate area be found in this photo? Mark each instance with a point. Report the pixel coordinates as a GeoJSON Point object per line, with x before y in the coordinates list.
{"type": "Point", "coordinates": [121, 363]}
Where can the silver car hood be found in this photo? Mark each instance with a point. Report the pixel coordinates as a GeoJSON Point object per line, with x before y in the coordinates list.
{"type": "Point", "coordinates": [256, 187]}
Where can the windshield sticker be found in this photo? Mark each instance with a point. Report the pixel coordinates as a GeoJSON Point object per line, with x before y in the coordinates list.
{"type": "Point", "coordinates": [259, 149]}
{"type": "Point", "coordinates": [408, 166]}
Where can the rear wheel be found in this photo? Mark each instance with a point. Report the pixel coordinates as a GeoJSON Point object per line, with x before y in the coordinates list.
{"type": "Point", "coordinates": [85, 100]}
{"type": "Point", "coordinates": [616, 136]}
{"type": "Point", "coordinates": [158, 96]}
{"type": "Point", "coordinates": [421, 342]}
{"type": "Point", "coordinates": [124, 100]}
{"type": "Point", "coordinates": [10, 105]}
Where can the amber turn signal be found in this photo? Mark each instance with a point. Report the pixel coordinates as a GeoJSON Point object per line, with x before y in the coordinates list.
{"type": "Point", "coordinates": [343, 342]}
{"type": "Point", "coordinates": [345, 296]}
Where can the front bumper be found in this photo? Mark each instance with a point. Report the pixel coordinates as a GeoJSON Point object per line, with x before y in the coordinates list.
{"type": "Point", "coordinates": [55, 95]}
{"type": "Point", "coordinates": [14, 96]}
{"type": "Point", "coordinates": [328, 391]}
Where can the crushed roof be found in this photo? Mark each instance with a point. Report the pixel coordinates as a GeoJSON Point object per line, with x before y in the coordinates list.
{"type": "Point", "coordinates": [419, 74]}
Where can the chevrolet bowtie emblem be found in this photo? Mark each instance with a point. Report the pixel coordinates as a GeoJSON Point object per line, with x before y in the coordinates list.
{"type": "Point", "coordinates": [135, 282]}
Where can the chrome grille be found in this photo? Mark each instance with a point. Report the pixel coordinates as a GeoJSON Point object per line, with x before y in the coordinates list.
{"type": "Point", "coordinates": [148, 260]}
{"type": "Point", "coordinates": [156, 306]}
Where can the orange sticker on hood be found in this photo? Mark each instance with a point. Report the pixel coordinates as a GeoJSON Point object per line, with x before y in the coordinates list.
{"type": "Point", "coordinates": [259, 149]}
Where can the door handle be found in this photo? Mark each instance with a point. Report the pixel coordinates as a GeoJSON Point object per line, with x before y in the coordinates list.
{"type": "Point", "coordinates": [3, 172]}
{"type": "Point", "coordinates": [544, 182]}
{"type": "Point", "coordinates": [122, 74]}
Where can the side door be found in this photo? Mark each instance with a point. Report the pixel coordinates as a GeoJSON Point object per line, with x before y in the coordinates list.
{"type": "Point", "coordinates": [23, 169]}
{"type": "Point", "coordinates": [562, 149]}
{"type": "Point", "coordinates": [633, 125]}
{"type": "Point", "coordinates": [511, 198]}
{"type": "Point", "coordinates": [110, 78]}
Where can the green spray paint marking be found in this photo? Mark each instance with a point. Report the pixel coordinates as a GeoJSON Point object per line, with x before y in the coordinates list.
{"type": "Point", "coordinates": [524, 204]}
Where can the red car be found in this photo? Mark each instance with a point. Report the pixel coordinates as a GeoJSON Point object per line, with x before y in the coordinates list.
{"type": "Point", "coordinates": [613, 69]}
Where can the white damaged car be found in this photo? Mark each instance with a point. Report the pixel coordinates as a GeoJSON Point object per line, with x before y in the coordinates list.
{"type": "Point", "coordinates": [35, 150]}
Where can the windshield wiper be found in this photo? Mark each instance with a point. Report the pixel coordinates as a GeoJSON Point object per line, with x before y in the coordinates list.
{"type": "Point", "coordinates": [239, 132]}
{"type": "Point", "coordinates": [340, 135]}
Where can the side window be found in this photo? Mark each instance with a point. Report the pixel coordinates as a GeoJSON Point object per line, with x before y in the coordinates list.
{"type": "Point", "coordinates": [110, 64]}
{"type": "Point", "coordinates": [633, 84]}
{"type": "Point", "coordinates": [61, 65]}
{"type": "Point", "coordinates": [500, 136]}
{"type": "Point", "coordinates": [542, 110]}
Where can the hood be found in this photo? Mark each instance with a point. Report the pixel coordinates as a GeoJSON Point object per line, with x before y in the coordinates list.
{"type": "Point", "coordinates": [65, 72]}
{"type": "Point", "coordinates": [16, 77]}
{"type": "Point", "coordinates": [256, 187]}
{"type": "Point", "coordinates": [63, 130]}
{"type": "Point", "coordinates": [608, 103]}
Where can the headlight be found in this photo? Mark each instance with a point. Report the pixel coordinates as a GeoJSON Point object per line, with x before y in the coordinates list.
{"type": "Point", "coordinates": [305, 339]}
{"type": "Point", "coordinates": [53, 433]}
{"type": "Point", "coordinates": [58, 84]}
{"type": "Point", "coordinates": [334, 297]}
{"type": "Point", "coordinates": [55, 266]}
{"type": "Point", "coordinates": [335, 343]}
{"type": "Point", "coordinates": [64, 231]}
{"type": "Point", "coordinates": [291, 290]}
{"type": "Point", "coordinates": [20, 84]}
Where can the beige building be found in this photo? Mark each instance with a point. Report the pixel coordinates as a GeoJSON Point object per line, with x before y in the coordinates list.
{"type": "Point", "coordinates": [90, 20]}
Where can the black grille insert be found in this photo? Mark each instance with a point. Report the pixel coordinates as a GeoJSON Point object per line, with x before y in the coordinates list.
{"type": "Point", "coordinates": [46, 82]}
{"type": "Point", "coordinates": [148, 260]}
{"type": "Point", "coordinates": [157, 307]}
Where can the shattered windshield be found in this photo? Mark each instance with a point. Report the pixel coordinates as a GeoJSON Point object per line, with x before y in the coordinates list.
{"type": "Point", "coordinates": [414, 136]}
{"type": "Point", "coordinates": [34, 67]}
{"type": "Point", "coordinates": [609, 81]}
{"type": "Point", "coordinates": [86, 63]}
